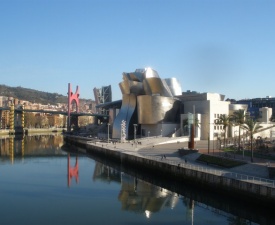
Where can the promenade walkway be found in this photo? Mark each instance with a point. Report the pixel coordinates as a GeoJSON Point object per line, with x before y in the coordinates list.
{"type": "Point", "coordinates": [158, 147]}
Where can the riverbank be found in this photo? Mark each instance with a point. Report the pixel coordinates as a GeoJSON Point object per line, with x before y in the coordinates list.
{"type": "Point", "coordinates": [161, 157]}
{"type": "Point", "coordinates": [42, 130]}
{"type": "Point", "coordinates": [6, 132]}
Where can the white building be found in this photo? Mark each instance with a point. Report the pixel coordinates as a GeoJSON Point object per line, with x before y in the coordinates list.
{"type": "Point", "coordinates": [207, 107]}
{"type": "Point", "coordinates": [265, 114]}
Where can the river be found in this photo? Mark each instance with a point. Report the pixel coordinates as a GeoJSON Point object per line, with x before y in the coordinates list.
{"type": "Point", "coordinates": [43, 182]}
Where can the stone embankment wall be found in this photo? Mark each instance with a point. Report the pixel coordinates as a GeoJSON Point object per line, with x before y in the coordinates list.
{"type": "Point", "coordinates": [246, 190]}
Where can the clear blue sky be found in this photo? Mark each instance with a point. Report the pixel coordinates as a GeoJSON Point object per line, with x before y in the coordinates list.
{"type": "Point", "coordinates": [221, 46]}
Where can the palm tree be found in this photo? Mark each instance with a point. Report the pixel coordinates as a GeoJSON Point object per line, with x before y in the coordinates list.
{"type": "Point", "coordinates": [252, 127]}
{"type": "Point", "coordinates": [185, 124]}
{"type": "Point", "coordinates": [239, 119]}
{"type": "Point", "coordinates": [191, 125]}
{"type": "Point", "coordinates": [224, 120]}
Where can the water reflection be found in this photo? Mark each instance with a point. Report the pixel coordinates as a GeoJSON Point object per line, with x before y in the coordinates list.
{"type": "Point", "coordinates": [72, 170]}
{"type": "Point", "coordinates": [12, 147]}
{"type": "Point", "coordinates": [141, 196]}
{"type": "Point", "coordinates": [136, 193]}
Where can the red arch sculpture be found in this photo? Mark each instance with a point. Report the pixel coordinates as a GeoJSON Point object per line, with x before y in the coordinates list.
{"type": "Point", "coordinates": [72, 97]}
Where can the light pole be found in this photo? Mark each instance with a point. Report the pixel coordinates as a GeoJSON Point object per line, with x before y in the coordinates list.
{"type": "Point", "coordinates": [135, 132]}
{"type": "Point", "coordinates": [108, 131]}
{"type": "Point", "coordinates": [209, 132]}
{"type": "Point", "coordinates": [208, 142]}
{"type": "Point", "coordinates": [213, 141]}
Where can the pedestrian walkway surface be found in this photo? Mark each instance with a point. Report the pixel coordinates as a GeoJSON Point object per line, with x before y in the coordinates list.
{"type": "Point", "coordinates": [168, 147]}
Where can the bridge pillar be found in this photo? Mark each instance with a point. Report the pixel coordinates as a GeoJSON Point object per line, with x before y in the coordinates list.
{"type": "Point", "coordinates": [23, 147]}
{"type": "Point", "coordinates": [23, 118]}
{"type": "Point", "coordinates": [12, 119]}
{"type": "Point", "coordinates": [1, 114]}
{"type": "Point", "coordinates": [74, 121]}
{"type": "Point", "coordinates": [11, 149]}
{"type": "Point", "coordinates": [72, 97]}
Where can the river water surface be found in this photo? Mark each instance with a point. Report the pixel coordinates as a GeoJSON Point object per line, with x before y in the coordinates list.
{"type": "Point", "coordinates": [40, 183]}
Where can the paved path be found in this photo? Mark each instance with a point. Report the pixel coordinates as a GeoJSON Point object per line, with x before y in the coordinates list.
{"type": "Point", "coordinates": [163, 146]}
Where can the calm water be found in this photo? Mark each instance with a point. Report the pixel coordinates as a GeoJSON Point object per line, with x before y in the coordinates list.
{"type": "Point", "coordinates": [42, 184]}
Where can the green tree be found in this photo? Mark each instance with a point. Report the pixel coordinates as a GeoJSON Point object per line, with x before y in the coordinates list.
{"type": "Point", "coordinates": [238, 120]}
{"type": "Point", "coordinates": [225, 121]}
{"type": "Point", "coordinates": [186, 125]}
{"type": "Point", "coordinates": [29, 119]}
{"type": "Point", "coordinates": [252, 127]}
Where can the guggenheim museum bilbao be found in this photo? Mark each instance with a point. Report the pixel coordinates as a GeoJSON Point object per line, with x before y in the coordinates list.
{"type": "Point", "coordinates": [152, 106]}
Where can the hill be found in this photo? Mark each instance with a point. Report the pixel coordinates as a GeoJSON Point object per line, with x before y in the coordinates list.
{"type": "Point", "coordinates": [32, 95]}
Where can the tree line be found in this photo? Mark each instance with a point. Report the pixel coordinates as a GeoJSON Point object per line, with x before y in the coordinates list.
{"type": "Point", "coordinates": [243, 121]}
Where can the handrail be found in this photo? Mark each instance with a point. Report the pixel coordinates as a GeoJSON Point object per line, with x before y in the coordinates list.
{"type": "Point", "coordinates": [222, 173]}
{"type": "Point", "coordinates": [236, 176]}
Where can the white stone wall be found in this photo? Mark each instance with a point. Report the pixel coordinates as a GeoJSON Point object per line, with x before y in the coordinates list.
{"type": "Point", "coordinates": [209, 110]}
{"type": "Point", "coordinates": [197, 128]}
{"type": "Point", "coordinates": [266, 133]}
{"type": "Point", "coordinates": [266, 114]}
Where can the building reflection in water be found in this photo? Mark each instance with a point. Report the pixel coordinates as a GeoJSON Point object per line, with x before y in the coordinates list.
{"type": "Point", "coordinates": [190, 206]}
{"type": "Point", "coordinates": [136, 195]}
{"type": "Point", "coordinates": [12, 147]}
{"type": "Point", "coordinates": [145, 198]}
{"type": "Point", "coordinates": [140, 196]}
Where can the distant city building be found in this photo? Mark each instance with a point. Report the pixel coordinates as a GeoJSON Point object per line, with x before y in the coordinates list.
{"type": "Point", "coordinates": [255, 104]}
{"type": "Point", "coordinates": [103, 95]}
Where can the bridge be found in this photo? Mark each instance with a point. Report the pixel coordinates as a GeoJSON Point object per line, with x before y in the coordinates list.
{"type": "Point", "coordinates": [65, 113]}
{"type": "Point", "coordinates": [72, 117]}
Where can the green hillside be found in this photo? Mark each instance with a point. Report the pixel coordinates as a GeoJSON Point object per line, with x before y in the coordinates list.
{"type": "Point", "coordinates": [32, 95]}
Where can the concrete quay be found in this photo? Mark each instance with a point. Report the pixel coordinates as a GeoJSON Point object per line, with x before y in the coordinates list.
{"type": "Point", "coordinates": [161, 155]}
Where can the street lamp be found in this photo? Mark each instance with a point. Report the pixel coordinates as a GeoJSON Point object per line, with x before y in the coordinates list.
{"type": "Point", "coordinates": [209, 132]}
{"type": "Point", "coordinates": [108, 131]}
{"type": "Point", "coordinates": [213, 141]}
{"type": "Point", "coordinates": [208, 139]}
{"type": "Point", "coordinates": [135, 132]}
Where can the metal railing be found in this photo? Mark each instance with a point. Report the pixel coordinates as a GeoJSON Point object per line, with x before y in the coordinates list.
{"type": "Point", "coordinates": [232, 175]}
{"type": "Point", "coordinates": [189, 165]}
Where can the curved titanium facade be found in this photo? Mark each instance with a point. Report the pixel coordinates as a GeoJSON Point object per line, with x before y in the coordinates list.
{"type": "Point", "coordinates": [146, 100]}
{"type": "Point", "coordinates": [174, 86]}
{"type": "Point", "coordinates": [127, 113]}
{"type": "Point", "coordinates": [155, 109]}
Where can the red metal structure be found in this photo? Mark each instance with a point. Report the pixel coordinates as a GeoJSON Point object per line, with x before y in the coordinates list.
{"type": "Point", "coordinates": [72, 98]}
